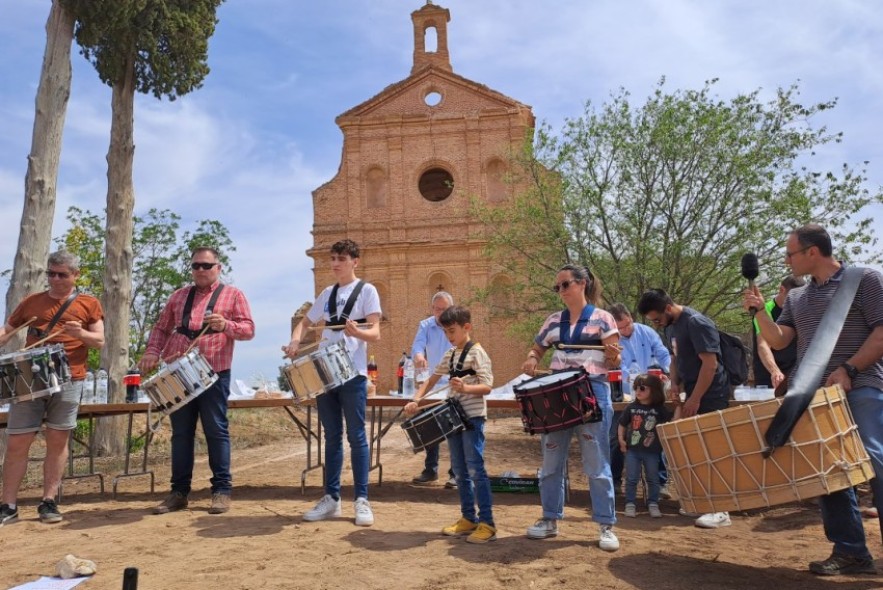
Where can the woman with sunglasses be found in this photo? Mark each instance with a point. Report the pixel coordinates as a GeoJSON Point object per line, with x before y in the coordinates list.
{"type": "Point", "coordinates": [580, 323]}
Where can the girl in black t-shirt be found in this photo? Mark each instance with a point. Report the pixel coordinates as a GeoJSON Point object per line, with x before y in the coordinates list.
{"type": "Point", "coordinates": [640, 443]}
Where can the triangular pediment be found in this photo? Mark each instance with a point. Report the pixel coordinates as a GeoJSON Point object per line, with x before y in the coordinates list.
{"type": "Point", "coordinates": [459, 95]}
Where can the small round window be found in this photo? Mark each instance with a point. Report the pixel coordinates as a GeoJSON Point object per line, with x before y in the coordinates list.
{"type": "Point", "coordinates": [436, 184]}
{"type": "Point", "coordinates": [432, 98]}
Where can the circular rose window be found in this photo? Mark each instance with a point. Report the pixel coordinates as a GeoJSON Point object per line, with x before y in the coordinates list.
{"type": "Point", "coordinates": [436, 184]}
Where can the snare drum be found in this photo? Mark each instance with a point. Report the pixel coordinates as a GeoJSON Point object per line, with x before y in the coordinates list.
{"type": "Point", "coordinates": [717, 459]}
{"type": "Point", "coordinates": [557, 401]}
{"type": "Point", "coordinates": [179, 382]}
{"type": "Point", "coordinates": [435, 424]}
{"type": "Point", "coordinates": [32, 374]}
{"type": "Point", "coordinates": [317, 372]}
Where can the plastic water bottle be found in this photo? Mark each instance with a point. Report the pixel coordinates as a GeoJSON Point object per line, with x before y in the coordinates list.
{"type": "Point", "coordinates": [634, 371]}
{"type": "Point", "coordinates": [101, 387]}
{"type": "Point", "coordinates": [409, 385]}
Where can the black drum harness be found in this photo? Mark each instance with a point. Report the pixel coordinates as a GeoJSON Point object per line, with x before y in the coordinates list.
{"type": "Point", "coordinates": [184, 328]}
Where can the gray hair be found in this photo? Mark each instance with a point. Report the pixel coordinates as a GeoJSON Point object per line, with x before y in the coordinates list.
{"type": "Point", "coordinates": [442, 295]}
{"type": "Point", "coordinates": [65, 258]}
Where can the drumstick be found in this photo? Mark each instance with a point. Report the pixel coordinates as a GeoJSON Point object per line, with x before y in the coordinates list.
{"type": "Point", "coordinates": [302, 348]}
{"type": "Point", "coordinates": [560, 346]}
{"type": "Point", "coordinates": [195, 340]}
{"type": "Point", "coordinates": [27, 323]}
{"type": "Point", "coordinates": [39, 342]}
{"type": "Point", "coordinates": [325, 327]}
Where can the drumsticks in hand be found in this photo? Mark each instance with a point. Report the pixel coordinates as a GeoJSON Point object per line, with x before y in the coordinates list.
{"type": "Point", "coordinates": [39, 342]}
{"type": "Point", "coordinates": [560, 346]}
{"type": "Point", "coordinates": [326, 327]}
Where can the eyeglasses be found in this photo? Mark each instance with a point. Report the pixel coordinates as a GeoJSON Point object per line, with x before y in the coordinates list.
{"type": "Point", "coordinates": [657, 320]}
{"type": "Point", "coordinates": [643, 387]}
{"type": "Point", "coordinates": [203, 265]}
{"type": "Point", "coordinates": [61, 275]}
{"type": "Point", "coordinates": [563, 285]}
{"type": "Point", "coordinates": [788, 254]}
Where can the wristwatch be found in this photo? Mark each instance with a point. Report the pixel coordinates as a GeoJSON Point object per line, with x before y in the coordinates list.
{"type": "Point", "coordinates": [850, 370]}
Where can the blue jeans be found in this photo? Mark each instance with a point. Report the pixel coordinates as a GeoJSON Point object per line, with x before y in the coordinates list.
{"type": "Point", "coordinates": [467, 459]}
{"type": "Point", "coordinates": [595, 448]}
{"type": "Point", "coordinates": [635, 461]}
{"type": "Point", "coordinates": [430, 464]}
{"type": "Point", "coordinates": [210, 407]}
{"type": "Point", "coordinates": [840, 514]}
{"type": "Point", "coordinates": [347, 401]}
{"type": "Point", "coordinates": [617, 457]}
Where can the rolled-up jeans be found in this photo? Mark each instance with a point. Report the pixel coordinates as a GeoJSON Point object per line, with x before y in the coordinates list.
{"type": "Point", "coordinates": [595, 449]}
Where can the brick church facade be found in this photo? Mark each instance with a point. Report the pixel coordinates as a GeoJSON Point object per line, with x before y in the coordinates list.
{"type": "Point", "coordinates": [413, 157]}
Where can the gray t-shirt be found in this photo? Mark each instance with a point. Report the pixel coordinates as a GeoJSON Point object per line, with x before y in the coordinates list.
{"type": "Point", "coordinates": [690, 335]}
{"type": "Point", "coordinates": [805, 307]}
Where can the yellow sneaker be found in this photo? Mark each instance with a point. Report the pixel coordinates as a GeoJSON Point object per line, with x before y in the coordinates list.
{"type": "Point", "coordinates": [482, 534]}
{"type": "Point", "coordinates": [461, 527]}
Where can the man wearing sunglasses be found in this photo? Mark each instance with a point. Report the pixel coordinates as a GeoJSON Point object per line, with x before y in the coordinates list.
{"type": "Point", "coordinates": [216, 315]}
{"type": "Point", "coordinates": [856, 364]}
{"type": "Point", "coordinates": [697, 369]}
{"type": "Point", "coordinates": [60, 315]}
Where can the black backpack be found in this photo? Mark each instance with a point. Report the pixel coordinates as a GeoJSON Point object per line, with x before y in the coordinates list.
{"type": "Point", "coordinates": [735, 357]}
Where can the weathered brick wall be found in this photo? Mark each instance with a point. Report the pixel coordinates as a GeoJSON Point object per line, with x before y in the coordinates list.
{"type": "Point", "coordinates": [411, 246]}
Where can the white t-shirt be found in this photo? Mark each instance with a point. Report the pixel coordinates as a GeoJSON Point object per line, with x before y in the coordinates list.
{"type": "Point", "coordinates": [367, 303]}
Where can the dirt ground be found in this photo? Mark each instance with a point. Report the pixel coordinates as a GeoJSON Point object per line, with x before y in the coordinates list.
{"type": "Point", "coordinates": [263, 544]}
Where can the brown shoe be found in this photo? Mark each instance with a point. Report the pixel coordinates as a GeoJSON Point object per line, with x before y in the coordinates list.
{"type": "Point", "coordinates": [220, 504]}
{"type": "Point", "coordinates": [174, 501]}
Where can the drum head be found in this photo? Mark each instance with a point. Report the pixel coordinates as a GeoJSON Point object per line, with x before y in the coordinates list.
{"type": "Point", "coordinates": [556, 378]}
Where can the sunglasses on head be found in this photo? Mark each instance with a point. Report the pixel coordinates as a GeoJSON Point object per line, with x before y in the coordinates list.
{"type": "Point", "coordinates": [203, 265]}
{"type": "Point", "coordinates": [563, 285]}
{"type": "Point", "coordinates": [53, 274]}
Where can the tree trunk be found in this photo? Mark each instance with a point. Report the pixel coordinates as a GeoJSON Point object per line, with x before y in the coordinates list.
{"type": "Point", "coordinates": [110, 434]}
{"type": "Point", "coordinates": [35, 230]}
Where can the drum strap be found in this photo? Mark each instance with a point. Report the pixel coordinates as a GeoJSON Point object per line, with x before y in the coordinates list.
{"type": "Point", "coordinates": [184, 328]}
{"type": "Point", "coordinates": [565, 335]}
{"type": "Point", "coordinates": [36, 332]}
{"type": "Point", "coordinates": [459, 372]}
{"type": "Point", "coordinates": [339, 320]}
{"type": "Point", "coordinates": [809, 373]}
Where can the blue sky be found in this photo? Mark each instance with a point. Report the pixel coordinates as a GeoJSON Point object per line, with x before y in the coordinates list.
{"type": "Point", "coordinates": [250, 146]}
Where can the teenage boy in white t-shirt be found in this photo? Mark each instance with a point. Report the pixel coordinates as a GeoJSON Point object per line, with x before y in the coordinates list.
{"type": "Point", "coordinates": [354, 306]}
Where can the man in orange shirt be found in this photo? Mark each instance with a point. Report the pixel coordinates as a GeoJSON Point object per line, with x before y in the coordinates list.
{"type": "Point", "coordinates": [76, 321]}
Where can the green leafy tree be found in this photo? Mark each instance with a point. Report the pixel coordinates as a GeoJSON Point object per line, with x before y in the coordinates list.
{"type": "Point", "coordinates": [161, 261]}
{"type": "Point", "coordinates": [149, 46]}
{"type": "Point", "coordinates": [671, 193]}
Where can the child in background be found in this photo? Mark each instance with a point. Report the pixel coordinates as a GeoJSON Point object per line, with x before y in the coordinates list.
{"type": "Point", "coordinates": [640, 443]}
{"type": "Point", "coordinates": [471, 379]}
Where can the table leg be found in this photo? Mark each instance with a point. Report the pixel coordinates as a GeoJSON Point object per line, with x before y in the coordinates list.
{"type": "Point", "coordinates": [309, 435]}
{"type": "Point", "coordinates": [148, 438]}
{"type": "Point", "coordinates": [378, 430]}
{"type": "Point", "coordinates": [90, 448]}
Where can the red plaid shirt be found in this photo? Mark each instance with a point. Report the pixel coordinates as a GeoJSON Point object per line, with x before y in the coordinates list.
{"type": "Point", "coordinates": [216, 348]}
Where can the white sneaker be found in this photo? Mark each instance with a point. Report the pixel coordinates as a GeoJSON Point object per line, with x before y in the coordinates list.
{"type": "Point", "coordinates": [362, 508]}
{"type": "Point", "coordinates": [653, 508]}
{"type": "Point", "coordinates": [327, 508]}
{"type": "Point", "coordinates": [631, 510]}
{"type": "Point", "coordinates": [543, 528]}
{"type": "Point", "coordinates": [608, 541]}
{"type": "Point", "coordinates": [713, 520]}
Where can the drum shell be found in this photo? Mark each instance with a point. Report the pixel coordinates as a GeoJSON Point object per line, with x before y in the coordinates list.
{"type": "Point", "coordinates": [435, 424]}
{"type": "Point", "coordinates": [556, 402]}
{"type": "Point", "coordinates": [317, 372]}
{"type": "Point", "coordinates": [717, 464]}
{"type": "Point", "coordinates": [179, 382]}
{"type": "Point", "coordinates": [32, 374]}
